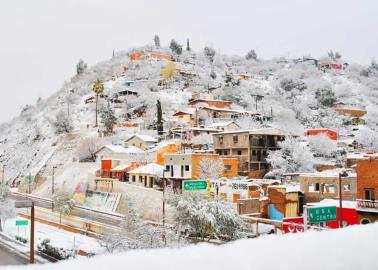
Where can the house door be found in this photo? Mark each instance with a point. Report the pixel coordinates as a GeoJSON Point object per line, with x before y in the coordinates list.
{"type": "Point", "coordinates": [145, 181]}
{"type": "Point", "coordinates": [126, 177]}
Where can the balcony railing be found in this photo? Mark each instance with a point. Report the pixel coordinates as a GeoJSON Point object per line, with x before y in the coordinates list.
{"type": "Point", "coordinates": [367, 204]}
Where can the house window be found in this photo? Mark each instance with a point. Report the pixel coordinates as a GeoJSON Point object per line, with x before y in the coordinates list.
{"type": "Point", "coordinates": [369, 194]}
{"type": "Point", "coordinates": [167, 168]}
{"type": "Point", "coordinates": [328, 188]}
{"type": "Point", "coordinates": [133, 178]}
{"type": "Point", "coordinates": [239, 152]}
{"type": "Point", "coordinates": [227, 168]}
{"type": "Point", "coordinates": [140, 179]}
{"type": "Point", "coordinates": [317, 187]}
{"type": "Point", "coordinates": [235, 138]}
{"type": "Point", "coordinates": [253, 152]}
{"type": "Point", "coordinates": [220, 139]}
{"type": "Point", "coordinates": [346, 187]}
{"type": "Point", "coordinates": [186, 168]}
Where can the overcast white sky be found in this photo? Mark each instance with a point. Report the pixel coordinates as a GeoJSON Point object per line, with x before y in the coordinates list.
{"type": "Point", "coordinates": [42, 40]}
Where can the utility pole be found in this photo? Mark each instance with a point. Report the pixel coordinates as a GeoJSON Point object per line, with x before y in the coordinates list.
{"type": "Point", "coordinates": [3, 175]}
{"type": "Point", "coordinates": [163, 197]}
{"type": "Point", "coordinates": [341, 174]}
{"type": "Point", "coordinates": [32, 234]}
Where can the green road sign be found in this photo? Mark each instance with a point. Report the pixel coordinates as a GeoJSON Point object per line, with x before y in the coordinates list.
{"type": "Point", "coordinates": [22, 222]}
{"type": "Point", "coordinates": [322, 214]}
{"type": "Point", "coordinates": [195, 185]}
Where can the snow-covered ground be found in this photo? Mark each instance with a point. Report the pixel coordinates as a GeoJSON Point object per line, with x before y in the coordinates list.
{"type": "Point", "coordinates": [59, 237]}
{"type": "Point", "coordinates": [335, 249]}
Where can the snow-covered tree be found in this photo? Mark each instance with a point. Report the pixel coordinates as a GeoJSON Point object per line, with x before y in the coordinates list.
{"type": "Point", "coordinates": [198, 217]}
{"type": "Point", "coordinates": [202, 139]}
{"type": "Point", "coordinates": [322, 145]}
{"type": "Point", "coordinates": [157, 41]}
{"type": "Point", "coordinates": [209, 53]}
{"type": "Point", "coordinates": [251, 55]}
{"type": "Point", "coordinates": [175, 47]}
{"type": "Point", "coordinates": [294, 156]}
{"type": "Point", "coordinates": [187, 45]}
{"type": "Point", "coordinates": [87, 149]}
{"type": "Point", "coordinates": [334, 55]}
{"type": "Point", "coordinates": [81, 67]}
{"type": "Point", "coordinates": [6, 206]}
{"type": "Point", "coordinates": [325, 97]}
{"type": "Point", "coordinates": [210, 168]}
{"type": "Point", "coordinates": [135, 233]}
{"type": "Point", "coordinates": [63, 202]}
{"type": "Point", "coordinates": [62, 123]}
{"type": "Point", "coordinates": [368, 138]}
{"type": "Point", "coordinates": [108, 118]}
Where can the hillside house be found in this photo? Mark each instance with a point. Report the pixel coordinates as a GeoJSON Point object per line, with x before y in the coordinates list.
{"type": "Point", "coordinates": [333, 135]}
{"type": "Point", "coordinates": [222, 104]}
{"type": "Point", "coordinates": [225, 126]}
{"type": "Point", "coordinates": [325, 185]}
{"type": "Point", "coordinates": [150, 55]}
{"type": "Point", "coordinates": [186, 166]}
{"type": "Point", "coordinates": [117, 152]}
{"type": "Point", "coordinates": [147, 175]}
{"type": "Point", "coordinates": [186, 116]}
{"type": "Point", "coordinates": [141, 141]}
{"type": "Point", "coordinates": [224, 113]}
{"type": "Point", "coordinates": [250, 147]}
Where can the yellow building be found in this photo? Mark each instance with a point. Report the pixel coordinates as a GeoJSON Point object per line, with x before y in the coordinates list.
{"type": "Point", "coordinates": [147, 175]}
{"type": "Point", "coordinates": [141, 141]}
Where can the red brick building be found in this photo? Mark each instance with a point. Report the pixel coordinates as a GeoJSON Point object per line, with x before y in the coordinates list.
{"type": "Point", "coordinates": [333, 135]}
{"type": "Point", "coordinates": [367, 190]}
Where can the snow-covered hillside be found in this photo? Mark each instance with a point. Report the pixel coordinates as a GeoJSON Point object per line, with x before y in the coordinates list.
{"type": "Point", "coordinates": [295, 94]}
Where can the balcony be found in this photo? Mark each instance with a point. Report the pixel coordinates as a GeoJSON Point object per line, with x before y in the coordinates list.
{"type": "Point", "coordinates": [367, 205]}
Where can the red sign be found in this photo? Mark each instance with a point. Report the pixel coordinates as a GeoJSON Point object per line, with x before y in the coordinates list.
{"type": "Point", "coordinates": [292, 225]}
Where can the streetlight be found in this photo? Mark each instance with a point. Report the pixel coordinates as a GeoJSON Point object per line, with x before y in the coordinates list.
{"type": "Point", "coordinates": [29, 204]}
{"type": "Point", "coordinates": [341, 174]}
{"type": "Point", "coordinates": [52, 180]}
{"type": "Point", "coordinates": [164, 170]}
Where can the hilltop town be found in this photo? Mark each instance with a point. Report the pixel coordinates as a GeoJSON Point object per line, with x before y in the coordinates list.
{"type": "Point", "coordinates": [196, 146]}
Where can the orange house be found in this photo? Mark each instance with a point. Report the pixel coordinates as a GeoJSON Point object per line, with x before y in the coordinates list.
{"type": "Point", "coordinates": [136, 56]}
{"type": "Point", "coordinates": [165, 150]}
{"type": "Point", "coordinates": [223, 104]}
{"type": "Point", "coordinates": [333, 135]}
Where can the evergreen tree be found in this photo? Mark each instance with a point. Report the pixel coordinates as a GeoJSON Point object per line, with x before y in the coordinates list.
{"type": "Point", "coordinates": [210, 53]}
{"type": "Point", "coordinates": [175, 47]}
{"type": "Point", "coordinates": [251, 55]}
{"type": "Point", "coordinates": [159, 119]}
{"type": "Point", "coordinates": [108, 119]}
{"type": "Point", "coordinates": [81, 67]}
{"type": "Point", "coordinates": [157, 41]}
{"type": "Point", "coordinates": [187, 45]}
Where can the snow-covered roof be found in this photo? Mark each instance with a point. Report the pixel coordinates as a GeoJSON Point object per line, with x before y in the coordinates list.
{"type": "Point", "coordinates": [146, 138]}
{"type": "Point", "coordinates": [361, 155]}
{"type": "Point", "coordinates": [332, 202]}
{"type": "Point", "coordinates": [229, 110]}
{"type": "Point", "coordinates": [208, 100]}
{"type": "Point", "coordinates": [151, 168]}
{"type": "Point", "coordinates": [121, 167]}
{"type": "Point", "coordinates": [123, 150]}
{"type": "Point", "coordinates": [190, 111]}
{"type": "Point", "coordinates": [259, 131]}
{"type": "Point", "coordinates": [222, 124]}
{"type": "Point", "coordinates": [329, 173]}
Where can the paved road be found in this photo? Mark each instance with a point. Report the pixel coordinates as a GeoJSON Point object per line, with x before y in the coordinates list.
{"type": "Point", "coordinates": [7, 258]}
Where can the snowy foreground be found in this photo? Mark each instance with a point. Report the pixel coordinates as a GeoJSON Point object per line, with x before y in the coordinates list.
{"type": "Point", "coordinates": [349, 248]}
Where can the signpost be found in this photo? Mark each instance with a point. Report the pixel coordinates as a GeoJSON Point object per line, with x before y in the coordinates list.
{"type": "Point", "coordinates": [322, 214]}
{"type": "Point", "coordinates": [28, 204]}
{"type": "Point", "coordinates": [195, 185]}
{"type": "Point", "coordinates": [22, 222]}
